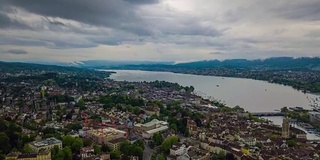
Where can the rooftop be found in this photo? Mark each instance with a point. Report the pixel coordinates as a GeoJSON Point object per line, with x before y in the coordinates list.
{"type": "Point", "coordinates": [46, 142]}
{"type": "Point", "coordinates": [154, 122]}
{"type": "Point", "coordinates": [157, 130]}
{"type": "Point", "coordinates": [118, 140]}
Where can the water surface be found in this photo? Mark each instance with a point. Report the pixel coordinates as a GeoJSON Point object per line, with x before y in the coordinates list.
{"type": "Point", "coordinates": [252, 95]}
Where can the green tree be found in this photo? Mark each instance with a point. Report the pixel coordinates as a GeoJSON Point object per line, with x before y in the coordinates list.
{"type": "Point", "coordinates": [291, 143]}
{"type": "Point", "coordinates": [115, 154]}
{"type": "Point", "coordinates": [27, 149]}
{"type": "Point", "coordinates": [74, 143]}
{"type": "Point", "coordinates": [54, 151]}
{"type": "Point", "coordinates": [125, 147]}
{"type": "Point", "coordinates": [81, 105]}
{"type": "Point", "coordinates": [87, 142]}
{"type": "Point", "coordinates": [222, 154]}
{"type": "Point", "coordinates": [139, 143]}
{"type": "Point", "coordinates": [153, 156]}
{"type": "Point", "coordinates": [157, 138]}
{"type": "Point", "coordinates": [59, 155]}
{"type": "Point", "coordinates": [161, 157]}
{"type": "Point", "coordinates": [136, 110]}
{"type": "Point", "coordinates": [5, 142]}
{"type": "Point", "coordinates": [67, 153]}
{"type": "Point", "coordinates": [77, 145]}
{"type": "Point", "coordinates": [105, 148]}
{"type": "Point", "coordinates": [97, 149]}
{"type": "Point", "coordinates": [167, 143]}
{"type": "Point", "coordinates": [174, 127]}
{"type": "Point", "coordinates": [67, 140]}
{"type": "Point", "coordinates": [137, 151]}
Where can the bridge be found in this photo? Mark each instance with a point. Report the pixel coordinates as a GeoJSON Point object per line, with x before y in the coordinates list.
{"type": "Point", "coordinates": [266, 114]}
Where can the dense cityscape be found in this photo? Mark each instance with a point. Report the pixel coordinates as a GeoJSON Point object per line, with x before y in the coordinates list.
{"type": "Point", "coordinates": [51, 112]}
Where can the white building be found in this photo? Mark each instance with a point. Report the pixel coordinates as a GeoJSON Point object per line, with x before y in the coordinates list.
{"type": "Point", "coordinates": [178, 149]}
{"type": "Point", "coordinates": [152, 127]}
{"type": "Point", "coordinates": [46, 144]}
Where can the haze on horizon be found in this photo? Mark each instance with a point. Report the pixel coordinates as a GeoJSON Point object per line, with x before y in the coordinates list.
{"type": "Point", "coordinates": [157, 30]}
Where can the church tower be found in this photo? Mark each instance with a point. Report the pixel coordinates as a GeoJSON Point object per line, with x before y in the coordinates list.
{"type": "Point", "coordinates": [285, 127]}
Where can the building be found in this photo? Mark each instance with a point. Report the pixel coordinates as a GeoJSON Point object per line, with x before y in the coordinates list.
{"type": "Point", "coordinates": [178, 149]}
{"type": "Point", "coordinates": [152, 127]}
{"type": "Point", "coordinates": [45, 145]}
{"type": "Point", "coordinates": [115, 143]}
{"type": "Point", "coordinates": [19, 156]}
{"type": "Point", "coordinates": [285, 128]}
{"type": "Point", "coordinates": [104, 135]}
{"type": "Point", "coordinates": [192, 126]}
{"type": "Point", "coordinates": [251, 141]}
{"type": "Point", "coordinates": [314, 116]}
{"type": "Point", "coordinates": [152, 110]}
{"type": "Point", "coordinates": [86, 152]}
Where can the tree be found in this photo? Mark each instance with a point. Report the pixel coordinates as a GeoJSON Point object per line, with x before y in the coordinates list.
{"type": "Point", "coordinates": [137, 151]}
{"type": "Point", "coordinates": [291, 143]}
{"type": "Point", "coordinates": [67, 140]}
{"type": "Point", "coordinates": [54, 150]}
{"type": "Point", "coordinates": [222, 154]}
{"type": "Point", "coordinates": [27, 149]}
{"type": "Point", "coordinates": [153, 156]}
{"type": "Point", "coordinates": [67, 153]}
{"type": "Point", "coordinates": [139, 143]}
{"type": "Point", "coordinates": [97, 149]}
{"type": "Point", "coordinates": [77, 145]}
{"type": "Point", "coordinates": [87, 142]}
{"type": "Point", "coordinates": [174, 127]}
{"type": "Point", "coordinates": [161, 157]}
{"type": "Point", "coordinates": [115, 155]}
{"type": "Point", "coordinates": [157, 138]}
{"type": "Point", "coordinates": [125, 147]}
{"type": "Point", "coordinates": [81, 105]}
{"type": "Point", "coordinates": [136, 110]}
{"type": "Point", "coordinates": [74, 143]}
{"type": "Point", "coordinates": [59, 155]}
{"type": "Point", "coordinates": [105, 148]}
{"type": "Point", "coordinates": [167, 143]}
{"type": "Point", "coordinates": [5, 142]}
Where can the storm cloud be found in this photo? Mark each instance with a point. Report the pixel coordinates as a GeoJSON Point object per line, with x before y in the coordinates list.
{"type": "Point", "coordinates": [172, 30]}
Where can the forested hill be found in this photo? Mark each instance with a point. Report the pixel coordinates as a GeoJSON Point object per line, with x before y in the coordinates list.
{"type": "Point", "coordinates": [270, 63]}
{"type": "Point", "coordinates": [279, 63]}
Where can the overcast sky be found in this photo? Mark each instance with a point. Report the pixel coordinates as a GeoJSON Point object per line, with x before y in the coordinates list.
{"type": "Point", "coordinates": [157, 30]}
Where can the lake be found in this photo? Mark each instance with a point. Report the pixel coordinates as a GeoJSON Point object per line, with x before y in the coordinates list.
{"type": "Point", "coordinates": [252, 95]}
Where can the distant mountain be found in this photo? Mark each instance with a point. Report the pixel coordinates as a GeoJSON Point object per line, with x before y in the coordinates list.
{"type": "Point", "coordinates": [266, 64]}
{"type": "Point", "coordinates": [111, 64]}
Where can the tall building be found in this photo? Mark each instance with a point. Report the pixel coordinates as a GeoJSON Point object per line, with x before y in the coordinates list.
{"type": "Point", "coordinates": [285, 127]}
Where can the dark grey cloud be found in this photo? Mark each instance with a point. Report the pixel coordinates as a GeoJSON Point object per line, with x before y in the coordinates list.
{"type": "Point", "coordinates": [48, 42]}
{"type": "Point", "coordinates": [308, 10]}
{"type": "Point", "coordinates": [143, 1]}
{"type": "Point", "coordinates": [17, 51]}
{"type": "Point", "coordinates": [108, 13]}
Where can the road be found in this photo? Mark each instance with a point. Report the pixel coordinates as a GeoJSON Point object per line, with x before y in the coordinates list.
{"type": "Point", "coordinates": [147, 153]}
